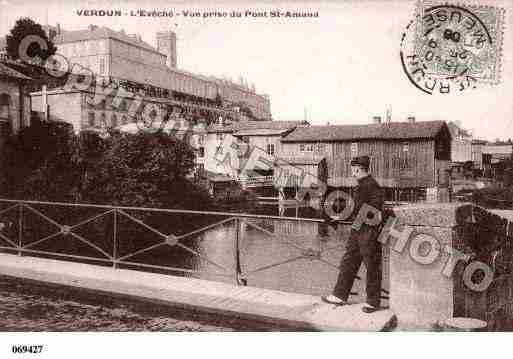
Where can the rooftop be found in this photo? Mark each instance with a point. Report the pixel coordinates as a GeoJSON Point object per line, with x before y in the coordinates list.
{"type": "Point", "coordinates": [97, 32]}
{"type": "Point", "coordinates": [385, 131]}
{"type": "Point", "coordinates": [255, 126]}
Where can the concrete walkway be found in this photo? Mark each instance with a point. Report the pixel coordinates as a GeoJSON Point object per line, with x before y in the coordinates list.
{"type": "Point", "coordinates": [276, 307]}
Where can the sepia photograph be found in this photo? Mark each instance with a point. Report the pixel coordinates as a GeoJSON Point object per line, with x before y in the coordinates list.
{"type": "Point", "coordinates": [255, 166]}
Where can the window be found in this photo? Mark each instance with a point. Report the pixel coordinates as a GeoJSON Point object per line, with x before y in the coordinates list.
{"type": "Point", "coordinates": [5, 101]}
{"type": "Point", "coordinates": [114, 120]}
{"type": "Point", "coordinates": [102, 66]}
{"type": "Point", "coordinates": [123, 105]}
{"type": "Point", "coordinates": [403, 163]}
{"type": "Point", "coordinates": [354, 149]}
{"type": "Point", "coordinates": [201, 152]}
{"type": "Point", "coordinates": [219, 150]}
{"type": "Point", "coordinates": [201, 140]}
{"type": "Point", "coordinates": [270, 149]}
{"type": "Point", "coordinates": [91, 119]}
{"type": "Point", "coordinates": [306, 147]}
{"type": "Point", "coordinates": [124, 120]}
{"type": "Point", "coordinates": [220, 136]}
{"type": "Point", "coordinates": [406, 147]}
{"type": "Point", "coordinates": [321, 147]}
{"type": "Point", "coordinates": [103, 121]}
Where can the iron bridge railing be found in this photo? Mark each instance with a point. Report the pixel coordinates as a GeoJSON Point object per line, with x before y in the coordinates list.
{"type": "Point", "coordinates": [15, 228]}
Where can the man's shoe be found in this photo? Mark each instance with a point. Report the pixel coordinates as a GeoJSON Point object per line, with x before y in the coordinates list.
{"type": "Point", "coordinates": [367, 308]}
{"type": "Point", "coordinates": [332, 299]}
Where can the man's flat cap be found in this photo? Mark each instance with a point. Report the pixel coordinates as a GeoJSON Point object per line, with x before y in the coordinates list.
{"type": "Point", "coordinates": [363, 161]}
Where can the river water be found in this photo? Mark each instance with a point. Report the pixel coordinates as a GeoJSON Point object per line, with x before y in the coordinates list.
{"type": "Point", "coordinates": [287, 255]}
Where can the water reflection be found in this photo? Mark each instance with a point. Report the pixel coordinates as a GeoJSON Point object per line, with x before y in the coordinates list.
{"type": "Point", "coordinates": [287, 255]}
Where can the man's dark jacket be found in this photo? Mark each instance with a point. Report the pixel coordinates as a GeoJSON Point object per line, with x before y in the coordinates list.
{"type": "Point", "coordinates": [370, 193]}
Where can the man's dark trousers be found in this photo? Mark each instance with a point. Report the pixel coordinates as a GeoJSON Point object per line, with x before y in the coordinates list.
{"type": "Point", "coordinates": [360, 249]}
{"type": "Point", "coordinates": [363, 245]}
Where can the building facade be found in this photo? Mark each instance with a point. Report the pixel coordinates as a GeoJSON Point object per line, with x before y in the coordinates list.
{"type": "Point", "coordinates": [477, 153]}
{"type": "Point", "coordinates": [247, 148]}
{"type": "Point", "coordinates": [461, 144]}
{"type": "Point", "coordinates": [89, 110]}
{"type": "Point", "coordinates": [403, 154]}
{"type": "Point", "coordinates": [115, 55]}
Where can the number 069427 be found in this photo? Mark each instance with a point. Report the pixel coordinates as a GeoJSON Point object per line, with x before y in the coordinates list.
{"type": "Point", "coordinates": [23, 349]}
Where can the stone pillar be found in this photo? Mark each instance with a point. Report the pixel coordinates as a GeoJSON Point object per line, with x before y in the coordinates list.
{"type": "Point", "coordinates": [426, 288]}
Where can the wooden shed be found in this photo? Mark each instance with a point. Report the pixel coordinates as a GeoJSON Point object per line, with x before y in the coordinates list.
{"type": "Point", "coordinates": [403, 154]}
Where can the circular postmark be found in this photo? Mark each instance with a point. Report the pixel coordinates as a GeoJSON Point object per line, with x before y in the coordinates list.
{"type": "Point", "coordinates": [446, 49]}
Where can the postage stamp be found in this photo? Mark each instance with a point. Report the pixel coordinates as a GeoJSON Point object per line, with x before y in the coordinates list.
{"type": "Point", "coordinates": [451, 48]}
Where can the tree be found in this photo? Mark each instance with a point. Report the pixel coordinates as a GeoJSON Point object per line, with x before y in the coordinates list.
{"type": "Point", "coordinates": [146, 169]}
{"type": "Point", "coordinates": [40, 163]}
{"type": "Point", "coordinates": [47, 161]}
{"type": "Point", "coordinates": [21, 30]}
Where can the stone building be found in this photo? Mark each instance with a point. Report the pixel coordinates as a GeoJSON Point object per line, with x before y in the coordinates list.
{"type": "Point", "coordinates": [229, 148]}
{"type": "Point", "coordinates": [115, 56]}
{"type": "Point", "coordinates": [95, 110]}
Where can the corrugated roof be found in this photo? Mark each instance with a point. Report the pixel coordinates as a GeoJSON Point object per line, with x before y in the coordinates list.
{"type": "Point", "coordinates": [9, 72]}
{"type": "Point", "coordinates": [386, 131]}
{"type": "Point", "coordinates": [97, 33]}
{"type": "Point", "coordinates": [254, 125]}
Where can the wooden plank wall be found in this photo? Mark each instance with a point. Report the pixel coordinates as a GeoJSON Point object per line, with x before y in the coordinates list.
{"type": "Point", "coordinates": [385, 162]}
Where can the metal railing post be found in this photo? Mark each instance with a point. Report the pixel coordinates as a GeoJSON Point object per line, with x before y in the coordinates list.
{"type": "Point", "coordinates": [238, 268]}
{"type": "Point", "coordinates": [115, 240]}
{"type": "Point", "coordinates": [236, 250]}
{"type": "Point", "coordinates": [20, 229]}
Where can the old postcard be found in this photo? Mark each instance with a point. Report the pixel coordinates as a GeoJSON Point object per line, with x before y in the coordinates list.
{"type": "Point", "coordinates": [255, 166]}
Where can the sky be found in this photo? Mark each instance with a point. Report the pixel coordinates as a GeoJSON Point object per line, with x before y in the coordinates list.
{"type": "Point", "coordinates": [342, 67]}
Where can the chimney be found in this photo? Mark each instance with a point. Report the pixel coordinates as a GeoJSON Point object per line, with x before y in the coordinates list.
{"type": "Point", "coordinates": [411, 119]}
{"type": "Point", "coordinates": [376, 119]}
{"type": "Point", "coordinates": [166, 44]}
{"type": "Point", "coordinates": [58, 29]}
